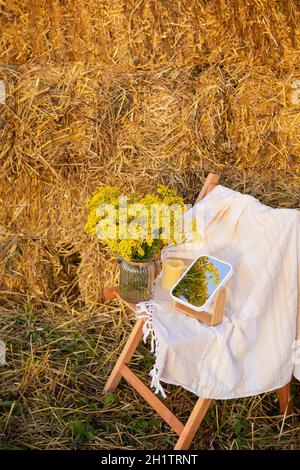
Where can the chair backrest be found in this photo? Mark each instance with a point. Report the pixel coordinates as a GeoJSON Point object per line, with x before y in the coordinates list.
{"type": "Point", "coordinates": [209, 184]}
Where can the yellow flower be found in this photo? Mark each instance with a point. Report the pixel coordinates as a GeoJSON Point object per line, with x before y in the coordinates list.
{"type": "Point", "coordinates": [128, 229]}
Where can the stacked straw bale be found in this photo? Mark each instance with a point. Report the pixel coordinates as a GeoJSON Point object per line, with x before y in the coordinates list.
{"type": "Point", "coordinates": [134, 93]}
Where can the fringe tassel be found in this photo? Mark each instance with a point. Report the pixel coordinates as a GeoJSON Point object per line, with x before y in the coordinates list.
{"type": "Point", "coordinates": [145, 310]}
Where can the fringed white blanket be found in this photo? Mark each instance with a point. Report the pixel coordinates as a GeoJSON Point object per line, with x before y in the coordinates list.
{"type": "Point", "coordinates": [256, 348]}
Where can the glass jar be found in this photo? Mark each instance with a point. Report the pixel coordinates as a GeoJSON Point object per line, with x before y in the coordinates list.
{"type": "Point", "coordinates": [136, 280]}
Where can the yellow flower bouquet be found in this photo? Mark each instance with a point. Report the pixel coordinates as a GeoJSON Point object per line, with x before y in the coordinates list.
{"type": "Point", "coordinates": [137, 228]}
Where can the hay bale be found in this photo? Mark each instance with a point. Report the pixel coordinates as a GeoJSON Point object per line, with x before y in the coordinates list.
{"type": "Point", "coordinates": [149, 34]}
{"type": "Point", "coordinates": [148, 92]}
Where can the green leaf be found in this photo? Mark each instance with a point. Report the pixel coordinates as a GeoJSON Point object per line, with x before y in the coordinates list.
{"type": "Point", "coordinates": [109, 399]}
{"type": "Point", "coordinates": [82, 432]}
{"type": "Point", "coordinates": [238, 425]}
{"type": "Point", "coordinates": [34, 336]}
{"type": "Point", "coordinates": [140, 423]}
{"type": "Point", "coordinates": [156, 422]}
{"type": "Point", "coordinates": [6, 403]}
{"type": "Point", "coordinates": [79, 429]}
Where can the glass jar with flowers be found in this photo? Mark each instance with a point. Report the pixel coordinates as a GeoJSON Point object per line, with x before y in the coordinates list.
{"type": "Point", "coordinates": [136, 228]}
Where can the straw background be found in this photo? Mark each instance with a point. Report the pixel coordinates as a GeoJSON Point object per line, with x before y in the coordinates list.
{"type": "Point", "coordinates": [130, 93]}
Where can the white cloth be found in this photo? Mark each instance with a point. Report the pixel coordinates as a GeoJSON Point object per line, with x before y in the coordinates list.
{"type": "Point", "coordinates": [254, 349]}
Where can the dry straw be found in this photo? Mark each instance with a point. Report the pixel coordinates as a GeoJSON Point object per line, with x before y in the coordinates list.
{"type": "Point", "coordinates": [133, 93]}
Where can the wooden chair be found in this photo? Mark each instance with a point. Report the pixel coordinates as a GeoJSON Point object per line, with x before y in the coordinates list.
{"type": "Point", "coordinates": [186, 431]}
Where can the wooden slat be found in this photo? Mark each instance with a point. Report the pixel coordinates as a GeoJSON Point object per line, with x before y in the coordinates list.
{"type": "Point", "coordinates": [192, 424]}
{"type": "Point", "coordinates": [110, 293]}
{"type": "Point", "coordinates": [205, 317]}
{"type": "Point", "coordinates": [285, 399]}
{"type": "Point", "coordinates": [209, 184]}
{"type": "Point", "coordinates": [219, 305]}
{"type": "Point", "coordinates": [152, 399]}
{"type": "Point", "coordinates": [125, 356]}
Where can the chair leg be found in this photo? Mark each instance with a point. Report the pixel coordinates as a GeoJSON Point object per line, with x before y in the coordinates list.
{"type": "Point", "coordinates": [192, 424]}
{"type": "Point", "coordinates": [285, 399]}
{"type": "Point", "coordinates": [125, 356]}
{"type": "Point", "coordinates": [110, 293]}
{"type": "Point", "coordinates": [209, 184]}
